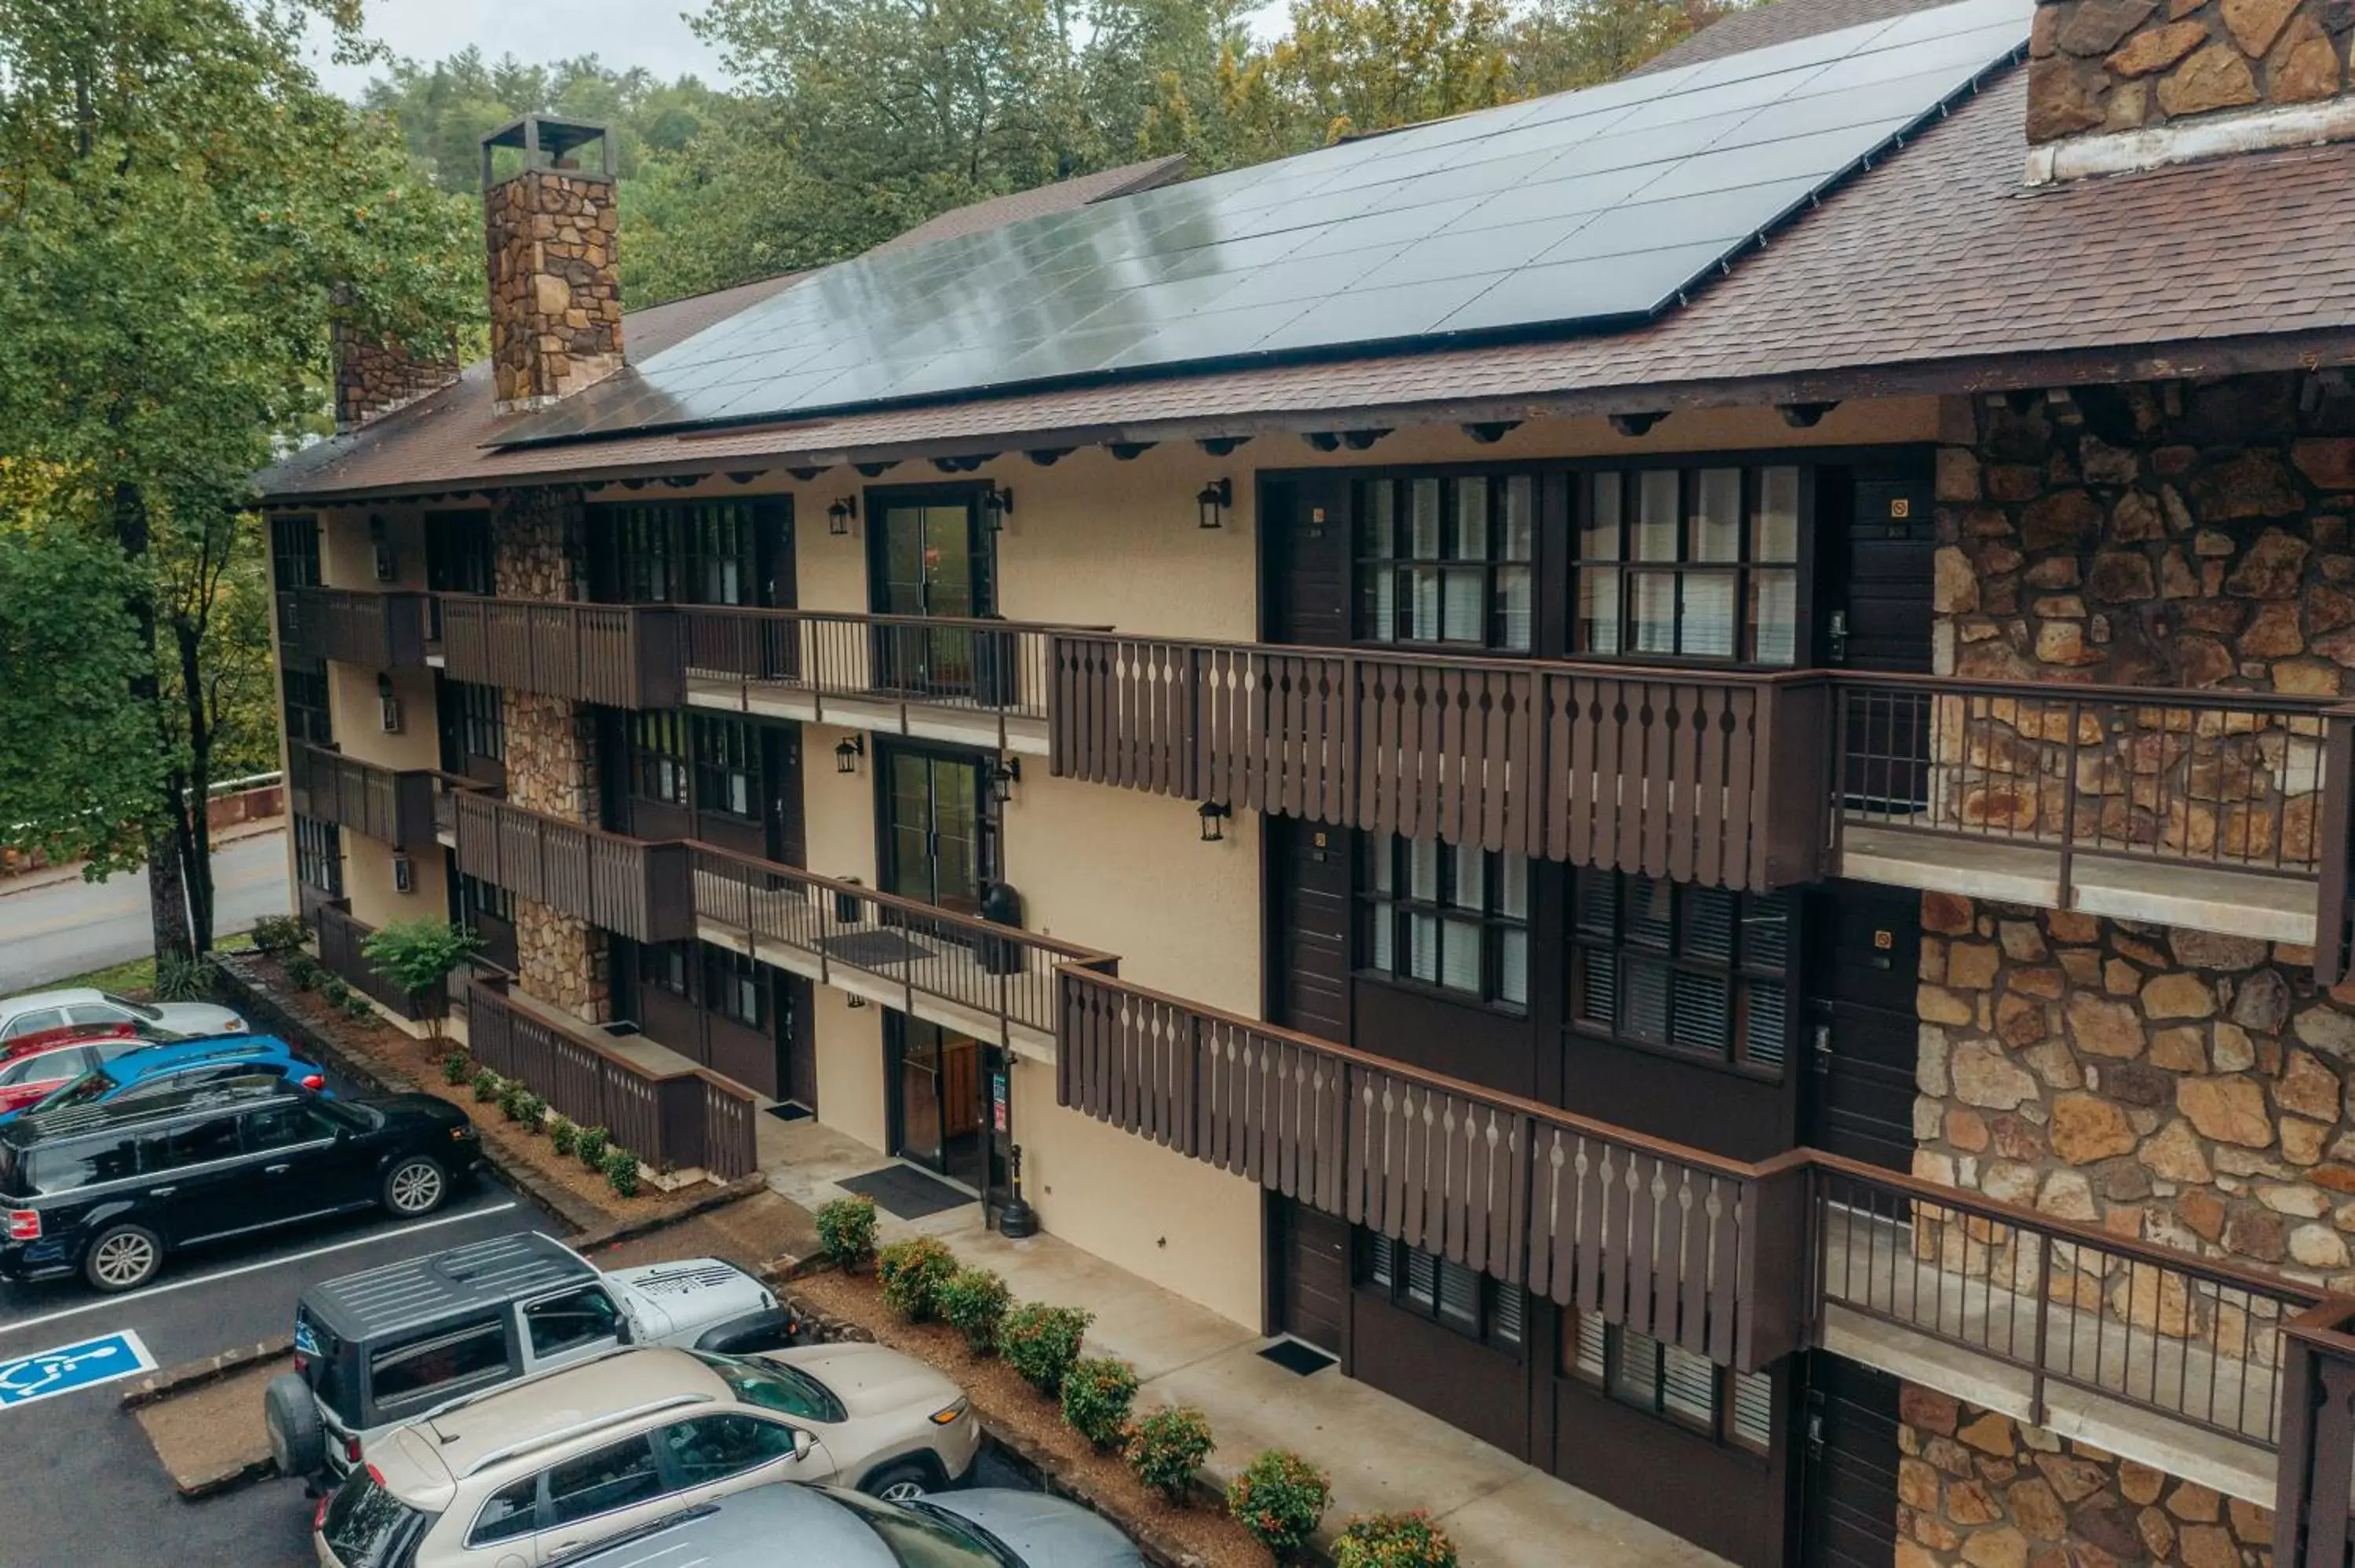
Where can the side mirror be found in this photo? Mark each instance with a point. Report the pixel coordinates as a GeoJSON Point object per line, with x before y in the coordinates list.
{"type": "Point", "coordinates": [803, 1444]}
{"type": "Point", "coordinates": [624, 1332]}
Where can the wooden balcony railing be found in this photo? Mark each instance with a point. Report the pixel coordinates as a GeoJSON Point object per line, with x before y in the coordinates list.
{"type": "Point", "coordinates": [625, 656]}
{"type": "Point", "coordinates": [997, 668]}
{"type": "Point", "coordinates": [2316, 1481]}
{"type": "Point", "coordinates": [377, 631]}
{"type": "Point", "coordinates": [340, 937]}
{"type": "Point", "coordinates": [396, 808]}
{"type": "Point", "coordinates": [842, 932]}
{"type": "Point", "coordinates": [627, 886]}
{"type": "Point", "coordinates": [689, 1119]}
{"type": "Point", "coordinates": [1700, 775]}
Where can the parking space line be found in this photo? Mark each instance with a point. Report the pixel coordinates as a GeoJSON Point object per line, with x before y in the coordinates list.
{"type": "Point", "coordinates": [111, 1303]}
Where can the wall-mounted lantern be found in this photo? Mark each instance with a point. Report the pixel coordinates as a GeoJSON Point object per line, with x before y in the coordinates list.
{"type": "Point", "coordinates": [1213, 500]}
{"type": "Point", "coordinates": [1003, 774]}
{"type": "Point", "coordinates": [997, 506]}
{"type": "Point", "coordinates": [388, 705]}
{"type": "Point", "coordinates": [386, 565]}
{"type": "Point", "coordinates": [848, 752]}
{"type": "Point", "coordinates": [1214, 815]}
{"type": "Point", "coordinates": [838, 516]}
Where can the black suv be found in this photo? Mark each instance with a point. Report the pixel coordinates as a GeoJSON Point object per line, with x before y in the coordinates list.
{"type": "Point", "coordinates": [110, 1189]}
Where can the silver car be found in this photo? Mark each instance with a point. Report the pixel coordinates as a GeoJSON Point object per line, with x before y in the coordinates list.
{"type": "Point", "coordinates": [788, 1522]}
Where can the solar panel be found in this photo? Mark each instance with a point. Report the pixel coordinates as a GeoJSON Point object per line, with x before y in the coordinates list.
{"type": "Point", "coordinates": [1577, 211]}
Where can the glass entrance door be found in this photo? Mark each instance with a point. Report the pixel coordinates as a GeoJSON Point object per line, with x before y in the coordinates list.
{"type": "Point", "coordinates": [941, 1123]}
{"type": "Point", "coordinates": [934, 827]}
{"type": "Point", "coordinates": [930, 559]}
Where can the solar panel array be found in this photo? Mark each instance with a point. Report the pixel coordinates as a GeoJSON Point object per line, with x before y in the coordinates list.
{"type": "Point", "coordinates": [1580, 210]}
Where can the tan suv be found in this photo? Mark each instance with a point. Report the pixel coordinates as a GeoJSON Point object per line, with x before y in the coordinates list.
{"type": "Point", "coordinates": [556, 1463]}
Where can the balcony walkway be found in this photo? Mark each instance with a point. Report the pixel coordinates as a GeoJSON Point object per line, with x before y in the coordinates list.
{"type": "Point", "coordinates": [937, 718]}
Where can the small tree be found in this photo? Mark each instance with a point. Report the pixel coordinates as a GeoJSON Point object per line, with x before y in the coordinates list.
{"type": "Point", "coordinates": [417, 955]}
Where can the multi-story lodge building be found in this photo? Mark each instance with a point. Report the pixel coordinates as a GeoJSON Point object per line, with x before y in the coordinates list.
{"type": "Point", "coordinates": [1664, 764]}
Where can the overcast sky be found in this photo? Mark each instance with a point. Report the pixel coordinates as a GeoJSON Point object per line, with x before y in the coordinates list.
{"type": "Point", "coordinates": [623, 33]}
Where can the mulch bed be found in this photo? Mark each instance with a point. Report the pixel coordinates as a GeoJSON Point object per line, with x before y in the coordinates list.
{"type": "Point", "coordinates": [580, 1195]}
{"type": "Point", "coordinates": [1033, 1426]}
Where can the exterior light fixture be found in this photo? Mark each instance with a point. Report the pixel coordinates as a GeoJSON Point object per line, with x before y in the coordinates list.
{"type": "Point", "coordinates": [1003, 774]}
{"type": "Point", "coordinates": [1213, 813]}
{"type": "Point", "coordinates": [838, 515]}
{"type": "Point", "coordinates": [388, 705]}
{"type": "Point", "coordinates": [997, 506]}
{"type": "Point", "coordinates": [1213, 500]}
{"type": "Point", "coordinates": [848, 752]}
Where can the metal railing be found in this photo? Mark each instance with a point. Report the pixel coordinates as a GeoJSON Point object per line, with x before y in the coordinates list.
{"type": "Point", "coordinates": [686, 1118]}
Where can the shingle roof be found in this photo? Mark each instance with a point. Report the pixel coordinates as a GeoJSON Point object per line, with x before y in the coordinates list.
{"type": "Point", "coordinates": [1040, 200]}
{"type": "Point", "coordinates": [1938, 270]}
{"type": "Point", "coordinates": [1778, 22]}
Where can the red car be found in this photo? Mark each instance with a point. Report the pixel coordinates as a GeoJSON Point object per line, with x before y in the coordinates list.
{"type": "Point", "coordinates": [32, 1066]}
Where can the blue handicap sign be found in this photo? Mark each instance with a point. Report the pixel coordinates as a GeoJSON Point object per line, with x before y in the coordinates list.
{"type": "Point", "coordinates": [45, 1374]}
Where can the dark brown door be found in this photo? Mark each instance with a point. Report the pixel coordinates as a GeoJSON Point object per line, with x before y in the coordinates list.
{"type": "Point", "coordinates": [780, 777]}
{"type": "Point", "coordinates": [1313, 1275]}
{"type": "Point", "coordinates": [1875, 571]}
{"type": "Point", "coordinates": [1304, 563]}
{"type": "Point", "coordinates": [797, 1040]}
{"type": "Point", "coordinates": [1849, 1450]}
{"type": "Point", "coordinates": [1862, 1032]}
{"type": "Point", "coordinates": [1308, 878]}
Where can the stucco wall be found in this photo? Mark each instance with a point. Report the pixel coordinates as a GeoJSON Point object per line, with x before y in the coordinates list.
{"type": "Point", "coordinates": [839, 809]}
{"type": "Point", "coordinates": [367, 883]}
{"type": "Point", "coordinates": [357, 718]}
{"type": "Point", "coordinates": [850, 1068]}
{"type": "Point", "coordinates": [347, 555]}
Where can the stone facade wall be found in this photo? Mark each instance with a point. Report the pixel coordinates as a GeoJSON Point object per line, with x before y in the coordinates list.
{"type": "Point", "coordinates": [374, 374]}
{"type": "Point", "coordinates": [555, 300]}
{"type": "Point", "coordinates": [2185, 1088]}
{"type": "Point", "coordinates": [551, 762]}
{"type": "Point", "coordinates": [2120, 64]}
{"type": "Point", "coordinates": [1977, 1490]}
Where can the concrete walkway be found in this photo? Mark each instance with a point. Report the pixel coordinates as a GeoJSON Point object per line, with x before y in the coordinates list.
{"type": "Point", "coordinates": [1382, 1453]}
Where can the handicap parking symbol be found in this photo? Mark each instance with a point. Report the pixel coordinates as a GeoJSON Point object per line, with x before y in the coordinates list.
{"type": "Point", "coordinates": [45, 1374]}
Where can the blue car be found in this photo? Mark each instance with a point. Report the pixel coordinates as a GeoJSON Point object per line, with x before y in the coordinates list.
{"type": "Point", "coordinates": [183, 1064]}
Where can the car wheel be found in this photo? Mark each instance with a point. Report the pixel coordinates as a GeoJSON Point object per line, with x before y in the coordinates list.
{"type": "Point", "coordinates": [903, 1481]}
{"type": "Point", "coordinates": [297, 1442]}
{"type": "Point", "coordinates": [416, 1186]}
{"type": "Point", "coordinates": [123, 1257]}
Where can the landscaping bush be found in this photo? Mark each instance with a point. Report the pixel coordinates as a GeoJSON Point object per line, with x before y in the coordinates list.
{"type": "Point", "coordinates": [621, 1172]}
{"type": "Point", "coordinates": [275, 935]}
{"type": "Point", "coordinates": [359, 1009]}
{"type": "Point", "coordinates": [511, 1097]}
{"type": "Point", "coordinates": [1393, 1540]}
{"type": "Point", "coordinates": [845, 1230]}
{"type": "Point", "coordinates": [1041, 1342]}
{"type": "Point", "coordinates": [303, 971]}
{"type": "Point", "coordinates": [455, 1067]}
{"type": "Point", "coordinates": [1278, 1499]}
{"type": "Point", "coordinates": [488, 1085]}
{"type": "Point", "coordinates": [973, 1300]}
{"type": "Point", "coordinates": [1166, 1448]}
{"type": "Point", "coordinates": [531, 1111]}
{"type": "Point", "coordinates": [562, 1135]}
{"type": "Point", "coordinates": [334, 991]}
{"type": "Point", "coordinates": [911, 1273]}
{"type": "Point", "coordinates": [417, 955]}
{"type": "Point", "coordinates": [590, 1146]}
{"type": "Point", "coordinates": [179, 978]}
{"type": "Point", "coordinates": [1097, 1394]}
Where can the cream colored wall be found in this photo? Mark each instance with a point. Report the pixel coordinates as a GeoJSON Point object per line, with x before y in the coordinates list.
{"type": "Point", "coordinates": [353, 709]}
{"type": "Point", "coordinates": [832, 570]}
{"type": "Point", "coordinates": [850, 1068]}
{"type": "Point", "coordinates": [838, 808]}
{"type": "Point", "coordinates": [367, 883]}
{"type": "Point", "coordinates": [1188, 1227]}
{"type": "Point", "coordinates": [1127, 872]}
{"type": "Point", "coordinates": [347, 555]}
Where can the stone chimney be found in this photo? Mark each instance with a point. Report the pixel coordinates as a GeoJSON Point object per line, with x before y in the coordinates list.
{"type": "Point", "coordinates": [375, 374]}
{"type": "Point", "coordinates": [2116, 85]}
{"type": "Point", "coordinates": [549, 230]}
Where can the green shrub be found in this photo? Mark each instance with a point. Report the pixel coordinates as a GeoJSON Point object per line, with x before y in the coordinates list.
{"type": "Point", "coordinates": [845, 1230]}
{"type": "Point", "coordinates": [1041, 1342]}
{"type": "Point", "coordinates": [358, 1008]}
{"type": "Point", "coordinates": [180, 978]}
{"type": "Point", "coordinates": [562, 1135]}
{"type": "Point", "coordinates": [910, 1272]}
{"type": "Point", "coordinates": [303, 971]}
{"type": "Point", "coordinates": [621, 1172]}
{"type": "Point", "coordinates": [1393, 1540]}
{"type": "Point", "coordinates": [417, 955]}
{"type": "Point", "coordinates": [275, 935]}
{"type": "Point", "coordinates": [1166, 1448]}
{"type": "Point", "coordinates": [590, 1146]}
{"type": "Point", "coordinates": [1278, 1499]}
{"type": "Point", "coordinates": [973, 1300]}
{"type": "Point", "coordinates": [531, 1111]}
{"type": "Point", "coordinates": [334, 991]}
{"type": "Point", "coordinates": [455, 1068]}
{"type": "Point", "coordinates": [512, 1095]}
{"type": "Point", "coordinates": [1097, 1394]}
{"type": "Point", "coordinates": [488, 1085]}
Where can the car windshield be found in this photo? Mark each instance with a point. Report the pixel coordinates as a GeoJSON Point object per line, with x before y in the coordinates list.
{"type": "Point", "coordinates": [930, 1539]}
{"type": "Point", "coordinates": [138, 1007]}
{"type": "Point", "coordinates": [772, 1385]}
{"type": "Point", "coordinates": [366, 1527]}
{"type": "Point", "coordinates": [94, 1085]}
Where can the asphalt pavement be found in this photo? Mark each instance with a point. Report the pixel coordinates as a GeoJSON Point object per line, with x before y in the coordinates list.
{"type": "Point", "coordinates": [69, 928]}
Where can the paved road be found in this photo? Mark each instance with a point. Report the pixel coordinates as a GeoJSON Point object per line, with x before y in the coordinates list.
{"type": "Point", "coordinates": [68, 927]}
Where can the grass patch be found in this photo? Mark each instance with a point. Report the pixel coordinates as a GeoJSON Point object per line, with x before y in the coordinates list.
{"type": "Point", "coordinates": [137, 976]}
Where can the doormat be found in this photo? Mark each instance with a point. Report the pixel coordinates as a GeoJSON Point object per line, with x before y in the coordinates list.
{"type": "Point", "coordinates": [1297, 1358]}
{"type": "Point", "coordinates": [907, 1192]}
{"type": "Point", "coordinates": [788, 1111]}
{"type": "Point", "coordinates": [874, 949]}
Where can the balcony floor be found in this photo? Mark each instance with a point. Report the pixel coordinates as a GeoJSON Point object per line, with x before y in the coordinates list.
{"type": "Point", "coordinates": [947, 721]}
{"type": "Point", "coordinates": [2203, 898]}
